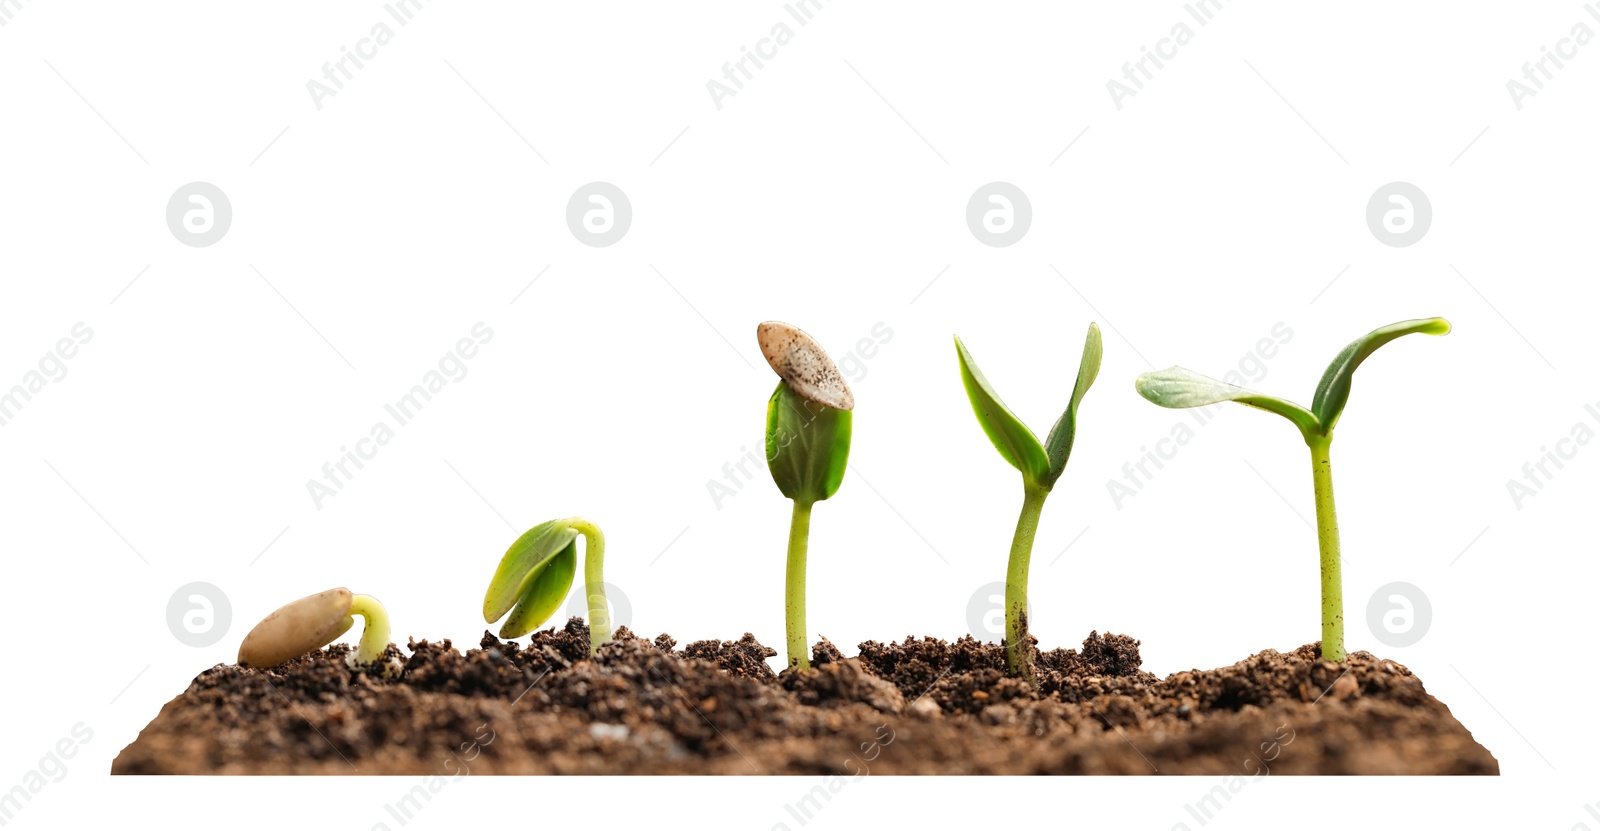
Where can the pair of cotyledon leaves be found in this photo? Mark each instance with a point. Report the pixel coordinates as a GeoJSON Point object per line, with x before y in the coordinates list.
{"type": "Point", "coordinates": [808, 445]}
{"type": "Point", "coordinates": [533, 578]}
{"type": "Point", "coordinates": [1177, 387]}
{"type": "Point", "coordinates": [1041, 464]}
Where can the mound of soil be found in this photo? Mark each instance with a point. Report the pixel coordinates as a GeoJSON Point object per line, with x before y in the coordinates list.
{"type": "Point", "coordinates": [919, 706]}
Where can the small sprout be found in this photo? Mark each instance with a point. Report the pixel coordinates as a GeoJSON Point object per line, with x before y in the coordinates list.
{"type": "Point", "coordinates": [1041, 466]}
{"type": "Point", "coordinates": [310, 623]}
{"type": "Point", "coordinates": [1178, 388]}
{"type": "Point", "coordinates": [536, 573]}
{"type": "Point", "coordinates": [808, 445]}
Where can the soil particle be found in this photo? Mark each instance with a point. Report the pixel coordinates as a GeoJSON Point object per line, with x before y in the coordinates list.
{"type": "Point", "coordinates": [842, 681]}
{"type": "Point", "coordinates": [716, 707]}
{"type": "Point", "coordinates": [744, 658]}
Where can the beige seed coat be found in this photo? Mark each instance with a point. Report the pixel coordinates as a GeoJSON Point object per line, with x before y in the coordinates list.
{"type": "Point", "coordinates": [804, 365]}
{"type": "Point", "coordinates": [307, 624]}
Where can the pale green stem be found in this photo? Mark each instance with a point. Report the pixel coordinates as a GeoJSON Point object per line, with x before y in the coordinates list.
{"type": "Point", "coordinates": [794, 596]}
{"type": "Point", "coordinates": [594, 584]}
{"type": "Point", "coordinates": [1328, 545]}
{"type": "Point", "coordinates": [374, 629]}
{"type": "Point", "coordinates": [1019, 659]}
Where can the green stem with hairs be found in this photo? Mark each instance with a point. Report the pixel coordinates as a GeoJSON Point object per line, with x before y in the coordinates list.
{"type": "Point", "coordinates": [1328, 545]}
{"type": "Point", "coordinates": [1019, 659]}
{"type": "Point", "coordinates": [794, 595]}
{"type": "Point", "coordinates": [594, 584]}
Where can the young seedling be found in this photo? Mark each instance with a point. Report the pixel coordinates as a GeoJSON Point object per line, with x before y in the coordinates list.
{"type": "Point", "coordinates": [536, 573]}
{"type": "Point", "coordinates": [1041, 466]}
{"type": "Point", "coordinates": [1177, 387]}
{"type": "Point", "coordinates": [808, 444]}
{"type": "Point", "coordinates": [310, 623]}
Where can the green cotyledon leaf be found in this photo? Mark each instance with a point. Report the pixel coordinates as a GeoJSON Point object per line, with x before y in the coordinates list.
{"type": "Point", "coordinates": [1016, 443]}
{"type": "Point", "coordinates": [1058, 446]}
{"type": "Point", "coordinates": [808, 445]}
{"type": "Point", "coordinates": [1333, 391]}
{"type": "Point", "coordinates": [1178, 388]}
{"type": "Point", "coordinates": [543, 594]}
{"type": "Point", "coordinates": [520, 575]}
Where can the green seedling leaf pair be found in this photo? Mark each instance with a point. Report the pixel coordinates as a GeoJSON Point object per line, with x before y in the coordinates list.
{"type": "Point", "coordinates": [808, 447]}
{"type": "Point", "coordinates": [1041, 465]}
{"type": "Point", "coordinates": [536, 573]}
{"type": "Point", "coordinates": [1177, 387]}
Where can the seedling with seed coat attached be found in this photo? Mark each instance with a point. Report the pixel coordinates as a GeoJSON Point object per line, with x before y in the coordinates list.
{"type": "Point", "coordinates": [808, 445]}
{"type": "Point", "coordinates": [310, 623]}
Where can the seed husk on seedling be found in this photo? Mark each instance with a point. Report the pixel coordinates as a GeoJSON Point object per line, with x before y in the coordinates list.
{"type": "Point", "coordinates": [310, 623]}
{"type": "Point", "coordinates": [808, 446]}
{"type": "Point", "coordinates": [1177, 387]}
{"type": "Point", "coordinates": [536, 573]}
{"type": "Point", "coordinates": [1041, 466]}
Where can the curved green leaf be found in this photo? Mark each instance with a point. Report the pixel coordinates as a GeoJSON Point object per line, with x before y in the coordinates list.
{"type": "Point", "coordinates": [1178, 388]}
{"type": "Point", "coordinates": [1016, 443]}
{"type": "Point", "coordinates": [1333, 391]}
{"type": "Point", "coordinates": [543, 594]}
{"type": "Point", "coordinates": [523, 561]}
{"type": "Point", "coordinates": [1058, 446]}
{"type": "Point", "coordinates": [808, 445]}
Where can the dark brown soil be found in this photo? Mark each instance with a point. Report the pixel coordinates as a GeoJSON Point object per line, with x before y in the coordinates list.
{"type": "Point", "coordinates": [919, 706]}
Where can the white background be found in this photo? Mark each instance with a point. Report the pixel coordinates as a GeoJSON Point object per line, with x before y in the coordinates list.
{"type": "Point", "coordinates": [830, 192]}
